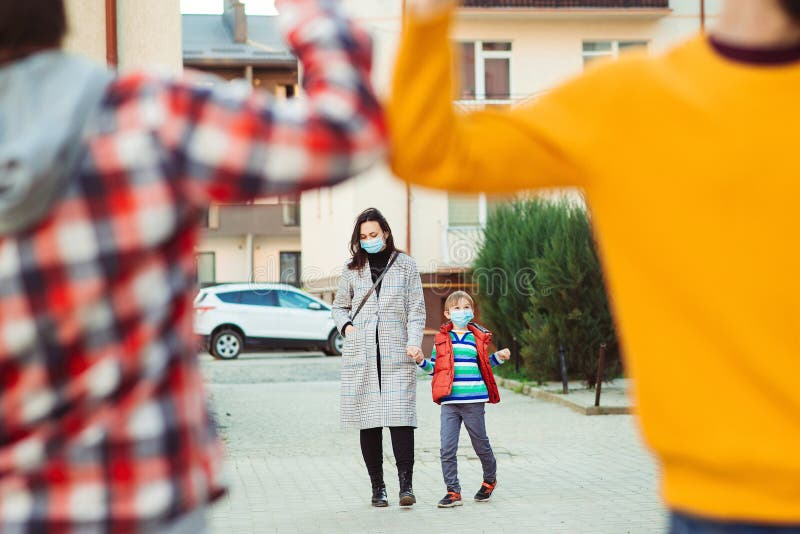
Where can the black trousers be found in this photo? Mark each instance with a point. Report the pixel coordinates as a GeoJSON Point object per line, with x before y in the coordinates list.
{"type": "Point", "coordinates": [402, 445]}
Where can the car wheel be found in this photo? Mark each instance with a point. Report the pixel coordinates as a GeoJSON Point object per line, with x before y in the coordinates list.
{"type": "Point", "coordinates": [227, 344]}
{"type": "Point", "coordinates": [335, 344]}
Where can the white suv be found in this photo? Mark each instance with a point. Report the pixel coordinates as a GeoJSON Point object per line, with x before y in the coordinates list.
{"type": "Point", "coordinates": [231, 317]}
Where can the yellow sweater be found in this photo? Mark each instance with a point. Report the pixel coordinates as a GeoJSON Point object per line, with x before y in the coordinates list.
{"type": "Point", "coordinates": [691, 166]}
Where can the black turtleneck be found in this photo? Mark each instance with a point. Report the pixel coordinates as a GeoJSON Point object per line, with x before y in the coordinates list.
{"type": "Point", "coordinates": [757, 56]}
{"type": "Point", "coordinates": [377, 264]}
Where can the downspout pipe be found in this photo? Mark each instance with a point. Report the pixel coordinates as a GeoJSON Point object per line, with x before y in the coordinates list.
{"type": "Point", "coordinates": [703, 15]}
{"type": "Point", "coordinates": [112, 43]}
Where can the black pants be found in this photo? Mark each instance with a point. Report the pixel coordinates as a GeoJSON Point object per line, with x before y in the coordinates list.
{"type": "Point", "coordinates": [402, 445]}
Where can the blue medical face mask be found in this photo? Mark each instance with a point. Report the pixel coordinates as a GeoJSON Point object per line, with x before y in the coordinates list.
{"type": "Point", "coordinates": [461, 318]}
{"type": "Point", "coordinates": [373, 245]}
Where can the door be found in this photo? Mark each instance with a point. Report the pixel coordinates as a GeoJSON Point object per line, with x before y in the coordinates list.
{"type": "Point", "coordinates": [260, 313]}
{"type": "Point", "coordinates": [290, 268]}
{"type": "Point", "coordinates": [303, 317]}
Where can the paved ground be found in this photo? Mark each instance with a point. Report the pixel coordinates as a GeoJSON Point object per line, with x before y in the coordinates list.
{"type": "Point", "coordinates": [611, 394]}
{"type": "Point", "coordinates": [293, 471]}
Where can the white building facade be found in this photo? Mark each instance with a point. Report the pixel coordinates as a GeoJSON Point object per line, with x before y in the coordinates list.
{"type": "Point", "coordinates": [517, 54]}
{"type": "Point", "coordinates": [509, 56]}
{"type": "Point", "coordinates": [148, 32]}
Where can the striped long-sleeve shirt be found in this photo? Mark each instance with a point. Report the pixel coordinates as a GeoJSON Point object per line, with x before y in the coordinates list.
{"type": "Point", "coordinates": [468, 384]}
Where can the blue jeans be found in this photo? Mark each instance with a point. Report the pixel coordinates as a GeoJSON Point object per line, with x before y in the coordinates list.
{"type": "Point", "coordinates": [684, 524]}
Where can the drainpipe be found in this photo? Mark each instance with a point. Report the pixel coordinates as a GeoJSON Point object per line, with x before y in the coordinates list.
{"type": "Point", "coordinates": [112, 43]}
{"type": "Point", "coordinates": [408, 185]}
{"type": "Point", "coordinates": [251, 275]}
{"type": "Point", "coordinates": [703, 15]}
{"type": "Point", "coordinates": [250, 259]}
{"type": "Point", "coordinates": [408, 218]}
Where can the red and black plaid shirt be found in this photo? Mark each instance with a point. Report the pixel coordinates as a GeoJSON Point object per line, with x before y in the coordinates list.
{"type": "Point", "coordinates": [103, 417]}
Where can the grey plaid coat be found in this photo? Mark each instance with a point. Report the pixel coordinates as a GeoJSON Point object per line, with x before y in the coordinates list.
{"type": "Point", "coordinates": [398, 319]}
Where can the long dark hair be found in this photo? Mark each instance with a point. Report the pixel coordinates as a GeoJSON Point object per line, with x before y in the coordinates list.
{"type": "Point", "coordinates": [359, 254]}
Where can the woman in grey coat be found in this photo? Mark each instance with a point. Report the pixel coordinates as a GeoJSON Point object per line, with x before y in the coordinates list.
{"type": "Point", "coordinates": [379, 380]}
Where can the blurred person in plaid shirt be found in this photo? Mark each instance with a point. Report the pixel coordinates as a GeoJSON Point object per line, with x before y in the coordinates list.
{"type": "Point", "coordinates": [103, 182]}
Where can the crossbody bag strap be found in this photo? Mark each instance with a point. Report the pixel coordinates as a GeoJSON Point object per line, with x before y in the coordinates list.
{"type": "Point", "coordinates": [375, 285]}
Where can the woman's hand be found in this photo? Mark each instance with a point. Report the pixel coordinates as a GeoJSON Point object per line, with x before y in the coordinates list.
{"type": "Point", "coordinates": [349, 329]}
{"type": "Point", "coordinates": [428, 8]}
{"type": "Point", "coordinates": [415, 353]}
{"type": "Point", "coordinates": [503, 355]}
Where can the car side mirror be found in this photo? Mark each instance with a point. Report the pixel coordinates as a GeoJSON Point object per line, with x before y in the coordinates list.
{"type": "Point", "coordinates": [314, 306]}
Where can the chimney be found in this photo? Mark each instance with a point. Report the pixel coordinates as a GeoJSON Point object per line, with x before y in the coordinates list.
{"type": "Point", "coordinates": [236, 20]}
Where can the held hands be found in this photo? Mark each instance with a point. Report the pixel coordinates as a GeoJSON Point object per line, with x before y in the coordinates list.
{"type": "Point", "coordinates": [428, 8]}
{"type": "Point", "coordinates": [503, 355]}
{"type": "Point", "coordinates": [415, 353]}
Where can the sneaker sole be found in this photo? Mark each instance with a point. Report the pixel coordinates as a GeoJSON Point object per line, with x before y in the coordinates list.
{"type": "Point", "coordinates": [456, 503]}
{"type": "Point", "coordinates": [380, 505]}
{"type": "Point", "coordinates": [483, 500]}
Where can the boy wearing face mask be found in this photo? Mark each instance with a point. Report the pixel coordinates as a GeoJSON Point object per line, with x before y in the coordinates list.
{"type": "Point", "coordinates": [463, 383]}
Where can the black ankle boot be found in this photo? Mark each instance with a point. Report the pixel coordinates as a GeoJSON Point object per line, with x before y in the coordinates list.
{"type": "Point", "coordinates": [406, 491]}
{"type": "Point", "coordinates": [379, 497]}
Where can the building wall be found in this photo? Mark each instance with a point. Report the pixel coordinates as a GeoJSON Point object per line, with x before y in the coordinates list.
{"type": "Point", "coordinates": [230, 257]}
{"type": "Point", "coordinates": [87, 28]}
{"type": "Point", "coordinates": [267, 256]}
{"type": "Point", "coordinates": [230, 254]}
{"type": "Point", "coordinates": [546, 50]}
{"type": "Point", "coordinates": [148, 32]}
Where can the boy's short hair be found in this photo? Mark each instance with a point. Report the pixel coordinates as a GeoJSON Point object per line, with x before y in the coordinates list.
{"type": "Point", "coordinates": [457, 296]}
{"type": "Point", "coordinates": [31, 24]}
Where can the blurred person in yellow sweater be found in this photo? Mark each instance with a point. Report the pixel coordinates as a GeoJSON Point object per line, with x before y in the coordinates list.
{"type": "Point", "coordinates": [690, 164]}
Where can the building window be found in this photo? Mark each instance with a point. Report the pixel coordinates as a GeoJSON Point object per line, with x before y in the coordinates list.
{"type": "Point", "coordinates": [205, 265]}
{"type": "Point", "coordinates": [485, 70]}
{"type": "Point", "coordinates": [210, 218]}
{"type": "Point", "coordinates": [290, 268]}
{"type": "Point", "coordinates": [463, 210]}
{"type": "Point", "coordinates": [594, 50]}
{"type": "Point", "coordinates": [291, 210]}
{"type": "Point", "coordinates": [471, 209]}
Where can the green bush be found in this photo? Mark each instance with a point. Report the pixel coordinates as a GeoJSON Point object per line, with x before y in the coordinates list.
{"type": "Point", "coordinates": [515, 233]}
{"type": "Point", "coordinates": [553, 294]}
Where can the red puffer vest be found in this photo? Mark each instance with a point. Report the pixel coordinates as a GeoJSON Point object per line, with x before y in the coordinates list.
{"type": "Point", "coordinates": [444, 369]}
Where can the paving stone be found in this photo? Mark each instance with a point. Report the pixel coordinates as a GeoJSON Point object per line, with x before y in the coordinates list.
{"type": "Point", "coordinates": [293, 470]}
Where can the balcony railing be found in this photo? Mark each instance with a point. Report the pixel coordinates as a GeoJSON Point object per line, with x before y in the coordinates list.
{"type": "Point", "coordinates": [496, 103]}
{"type": "Point", "coordinates": [568, 4]}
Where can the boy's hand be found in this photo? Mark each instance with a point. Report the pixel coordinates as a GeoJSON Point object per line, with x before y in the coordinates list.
{"type": "Point", "coordinates": [503, 355]}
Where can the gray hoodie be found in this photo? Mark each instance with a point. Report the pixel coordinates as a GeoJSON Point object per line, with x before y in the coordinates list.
{"type": "Point", "coordinates": [46, 102]}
